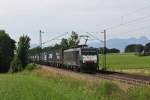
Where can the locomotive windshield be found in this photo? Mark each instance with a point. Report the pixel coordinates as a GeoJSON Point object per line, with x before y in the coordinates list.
{"type": "Point", "coordinates": [89, 56]}
{"type": "Point", "coordinates": [89, 52]}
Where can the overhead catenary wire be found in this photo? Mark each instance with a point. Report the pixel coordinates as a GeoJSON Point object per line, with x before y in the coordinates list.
{"type": "Point", "coordinates": [137, 29]}
{"type": "Point", "coordinates": [55, 38]}
{"type": "Point", "coordinates": [126, 23]}
{"type": "Point", "coordinates": [94, 37]}
{"type": "Point", "coordinates": [136, 11]}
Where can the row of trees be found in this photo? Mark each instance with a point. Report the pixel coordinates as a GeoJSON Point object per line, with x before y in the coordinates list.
{"type": "Point", "coordinates": [107, 50]}
{"type": "Point", "coordinates": [13, 58]}
{"type": "Point", "coordinates": [138, 48]}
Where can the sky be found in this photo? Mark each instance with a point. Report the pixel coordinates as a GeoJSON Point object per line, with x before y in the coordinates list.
{"type": "Point", "coordinates": [120, 18]}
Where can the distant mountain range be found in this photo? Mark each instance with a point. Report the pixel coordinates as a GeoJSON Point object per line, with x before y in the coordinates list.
{"type": "Point", "coordinates": [122, 43]}
{"type": "Point", "coordinates": [116, 43]}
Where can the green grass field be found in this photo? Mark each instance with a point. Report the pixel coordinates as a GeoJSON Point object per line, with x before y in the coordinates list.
{"type": "Point", "coordinates": [40, 85]}
{"type": "Point", "coordinates": [126, 61]}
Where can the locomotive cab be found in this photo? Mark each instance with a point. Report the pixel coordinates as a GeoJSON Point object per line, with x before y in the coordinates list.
{"type": "Point", "coordinates": [89, 60]}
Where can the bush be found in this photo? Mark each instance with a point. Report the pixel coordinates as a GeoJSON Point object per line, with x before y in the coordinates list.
{"type": "Point", "coordinates": [30, 66]}
{"type": "Point", "coordinates": [16, 65]}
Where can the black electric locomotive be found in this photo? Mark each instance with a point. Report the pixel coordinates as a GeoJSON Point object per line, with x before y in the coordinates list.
{"type": "Point", "coordinates": [83, 59]}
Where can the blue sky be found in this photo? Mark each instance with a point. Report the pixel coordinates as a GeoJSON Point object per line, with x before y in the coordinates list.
{"type": "Point", "coordinates": [56, 17]}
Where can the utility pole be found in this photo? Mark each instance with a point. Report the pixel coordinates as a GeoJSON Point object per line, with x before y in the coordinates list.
{"type": "Point", "coordinates": [40, 43]}
{"type": "Point", "coordinates": [105, 51]}
{"type": "Point", "coordinates": [41, 38]}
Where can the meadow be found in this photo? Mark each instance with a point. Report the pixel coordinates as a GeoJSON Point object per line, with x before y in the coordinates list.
{"type": "Point", "coordinates": [44, 85]}
{"type": "Point", "coordinates": [126, 61]}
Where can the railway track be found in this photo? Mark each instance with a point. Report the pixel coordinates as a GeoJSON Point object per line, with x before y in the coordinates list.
{"type": "Point", "coordinates": [125, 78]}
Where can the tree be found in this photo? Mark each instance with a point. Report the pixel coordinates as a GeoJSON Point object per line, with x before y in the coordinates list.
{"type": "Point", "coordinates": [23, 49]}
{"type": "Point", "coordinates": [57, 47]}
{"type": "Point", "coordinates": [147, 49]}
{"type": "Point", "coordinates": [73, 40]}
{"type": "Point", "coordinates": [37, 50]}
{"type": "Point", "coordinates": [101, 50]}
{"type": "Point", "coordinates": [139, 48]}
{"type": "Point", "coordinates": [64, 44]}
{"type": "Point", "coordinates": [7, 47]}
{"type": "Point", "coordinates": [21, 58]}
{"type": "Point", "coordinates": [130, 48]}
{"type": "Point", "coordinates": [114, 50]}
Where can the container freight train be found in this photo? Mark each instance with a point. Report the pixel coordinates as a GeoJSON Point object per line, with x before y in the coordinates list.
{"type": "Point", "coordinates": [82, 59]}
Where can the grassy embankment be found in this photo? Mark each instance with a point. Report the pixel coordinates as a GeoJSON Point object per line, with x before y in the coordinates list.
{"type": "Point", "coordinates": [44, 85]}
{"type": "Point", "coordinates": [128, 63]}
